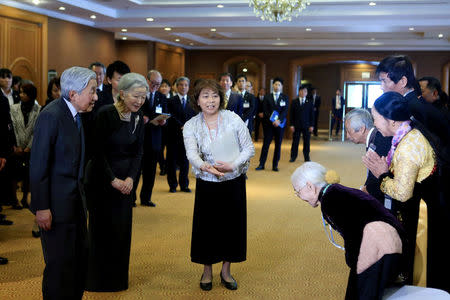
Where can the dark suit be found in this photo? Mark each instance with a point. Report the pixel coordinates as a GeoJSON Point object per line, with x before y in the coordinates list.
{"type": "Point", "coordinates": [7, 141]}
{"type": "Point", "coordinates": [105, 97]}
{"type": "Point", "coordinates": [382, 144]}
{"type": "Point", "coordinates": [249, 109]}
{"type": "Point", "coordinates": [56, 174]}
{"type": "Point", "coordinates": [176, 153]}
{"type": "Point", "coordinates": [235, 103]}
{"type": "Point", "coordinates": [337, 114]}
{"type": "Point", "coordinates": [316, 104]}
{"type": "Point", "coordinates": [258, 120]}
{"type": "Point", "coordinates": [302, 118]}
{"type": "Point", "coordinates": [270, 131]}
{"type": "Point", "coordinates": [152, 144]}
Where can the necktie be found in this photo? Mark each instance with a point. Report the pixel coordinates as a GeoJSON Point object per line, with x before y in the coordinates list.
{"type": "Point", "coordinates": [183, 102]}
{"type": "Point", "coordinates": [151, 100]}
{"type": "Point", "coordinates": [78, 121]}
{"type": "Point", "coordinates": [226, 100]}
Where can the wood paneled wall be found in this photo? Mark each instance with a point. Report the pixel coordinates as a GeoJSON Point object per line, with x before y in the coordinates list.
{"type": "Point", "coordinates": [170, 61]}
{"type": "Point", "coordinates": [23, 40]}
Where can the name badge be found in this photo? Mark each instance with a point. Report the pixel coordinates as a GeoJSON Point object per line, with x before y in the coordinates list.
{"type": "Point", "coordinates": [158, 109]}
{"type": "Point", "coordinates": [387, 202]}
{"type": "Point", "coordinates": [246, 105]}
{"type": "Point", "coordinates": [282, 103]}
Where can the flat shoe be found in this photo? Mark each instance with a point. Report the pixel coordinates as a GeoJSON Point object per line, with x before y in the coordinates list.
{"type": "Point", "coordinates": [229, 285]}
{"type": "Point", "coordinates": [207, 286]}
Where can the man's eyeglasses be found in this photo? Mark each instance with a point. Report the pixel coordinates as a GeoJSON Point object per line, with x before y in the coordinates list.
{"type": "Point", "coordinates": [155, 83]}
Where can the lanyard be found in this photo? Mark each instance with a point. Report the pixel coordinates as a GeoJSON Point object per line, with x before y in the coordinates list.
{"type": "Point", "coordinates": [329, 230]}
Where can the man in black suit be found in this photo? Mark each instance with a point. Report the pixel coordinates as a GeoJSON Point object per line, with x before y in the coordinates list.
{"type": "Point", "coordinates": [155, 105]}
{"type": "Point", "coordinates": [316, 101]}
{"type": "Point", "coordinates": [233, 101]}
{"type": "Point", "coordinates": [249, 102]}
{"type": "Point", "coordinates": [432, 93]}
{"type": "Point", "coordinates": [259, 112]}
{"type": "Point", "coordinates": [10, 94]}
{"type": "Point", "coordinates": [181, 111]}
{"type": "Point", "coordinates": [273, 126]}
{"type": "Point", "coordinates": [302, 120]}
{"type": "Point", "coordinates": [337, 108]}
{"type": "Point", "coordinates": [100, 71]}
{"type": "Point", "coordinates": [360, 130]}
{"type": "Point", "coordinates": [57, 193]}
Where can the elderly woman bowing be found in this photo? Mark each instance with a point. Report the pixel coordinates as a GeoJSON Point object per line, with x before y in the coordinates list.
{"type": "Point", "coordinates": [110, 177]}
{"type": "Point", "coordinates": [219, 231]}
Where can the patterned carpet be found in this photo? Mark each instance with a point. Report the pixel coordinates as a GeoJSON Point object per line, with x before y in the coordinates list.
{"type": "Point", "coordinates": [288, 256]}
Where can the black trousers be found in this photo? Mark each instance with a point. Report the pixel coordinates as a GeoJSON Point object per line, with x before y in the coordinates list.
{"type": "Point", "coordinates": [336, 118]}
{"type": "Point", "coordinates": [65, 251]}
{"type": "Point", "coordinates": [271, 133]}
{"type": "Point", "coordinates": [257, 125]}
{"type": "Point", "coordinates": [316, 121]}
{"type": "Point", "coordinates": [306, 142]}
{"type": "Point", "coordinates": [148, 173]}
{"type": "Point", "coordinates": [370, 284]}
{"type": "Point", "coordinates": [176, 156]}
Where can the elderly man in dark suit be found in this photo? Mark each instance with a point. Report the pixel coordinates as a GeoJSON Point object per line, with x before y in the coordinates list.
{"type": "Point", "coordinates": [233, 101]}
{"type": "Point", "coordinates": [274, 103]}
{"type": "Point", "coordinates": [249, 102]}
{"type": "Point", "coordinates": [302, 120]}
{"type": "Point", "coordinates": [56, 177]}
{"type": "Point", "coordinates": [360, 130]}
{"type": "Point", "coordinates": [181, 112]}
{"type": "Point", "coordinates": [155, 105]}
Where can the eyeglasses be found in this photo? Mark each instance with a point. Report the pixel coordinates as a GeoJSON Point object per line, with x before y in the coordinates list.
{"type": "Point", "coordinates": [155, 83]}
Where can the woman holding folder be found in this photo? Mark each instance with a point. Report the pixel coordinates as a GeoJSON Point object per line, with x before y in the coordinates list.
{"type": "Point", "coordinates": [219, 147]}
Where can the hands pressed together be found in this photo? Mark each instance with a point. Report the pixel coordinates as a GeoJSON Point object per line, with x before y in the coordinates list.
{"type": "Point", "coordinates": [123, 186]}
{"type": "Point", "coordinates": [376, 164]}
{"type": "Point", "coordinates": [219, 169]}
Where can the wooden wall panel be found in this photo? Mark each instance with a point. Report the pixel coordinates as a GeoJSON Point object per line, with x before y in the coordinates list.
{"type": "Point", "coordinates": [134, 54]}
{"type": "Point", "coordinates": [170, 61]}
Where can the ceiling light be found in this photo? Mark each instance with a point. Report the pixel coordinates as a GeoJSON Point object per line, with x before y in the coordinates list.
{"type": "Point", "coordinates": [219, 5]}
{"type": "Point", "coordinates": [192, 44]}
{"type": "Point", "coordinates": [124, 30]}
{"type": "Point", "coordinates": [213, 29]}
{"type": "Point", "coordinates": [411, 28]}
{"type": "Point", "coordinates": [278, 39]}
{"type": "Point", "coordinates": [372, 3]}
{"type": "Point", "coordinates": [177, 40]}
{"type": "Point", "coordinates": [149, 19]}
{"type": "Point", "coordinates": [308, 29]}
{"type": "Point", "coordinates": [372, 39]}
{"type": "Point", "coordinates": [62, 8]}
{"type": "Point", "coordinates": [440, 35]}
{"type": "Point", "coordinates": [277, 11]}
{"type": "Point", "coordinates": [167, 29]}
{"type": "Point", "coordinates": [124, 38]}
{"type": "Point", "coordinates": [93, 17]}
{"type": "Point", "coordinates": [244, 70]}
{"type": "Point", "coordinates": [308, 3]}
{"type": "Point", "coordinates": [36, 2]}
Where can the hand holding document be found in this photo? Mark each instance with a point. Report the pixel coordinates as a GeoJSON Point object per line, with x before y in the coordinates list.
{"type": "Point", "coordinates": [161, 118]}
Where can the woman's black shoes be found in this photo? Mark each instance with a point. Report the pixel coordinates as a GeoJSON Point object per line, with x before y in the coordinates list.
{"type": "Point", "coordinates": [207, 286]}
{"type": "Point", "coordinates": [35, 234]}
{"type": "Point", "coordinates": [231, 285]}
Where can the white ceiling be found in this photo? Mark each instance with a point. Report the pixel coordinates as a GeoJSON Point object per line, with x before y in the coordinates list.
{"type": "Point", "coordinates": [335, 25]}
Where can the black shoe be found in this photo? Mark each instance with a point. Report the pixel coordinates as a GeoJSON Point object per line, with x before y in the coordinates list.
{"type": "Point", "coordinates": [35, 234]}
{"type": "Point", "coordinates": [207, 286]}
{"type": "Point", "coordinates": [259, 168]}
{"type": "Point", "coordinates": [275, 169]}
{"type": "Point", "coordinates": [3, 260]}
{"type": "Point", "coordinates": [292, 160]}
{"type": "Point", "coordinates": [134, 204]}
{"type": "Point", "coordinates": [16, 206]}
{"type": "Point", "coordinates": [307, 159]}
{"type": "Point", "coordinates": [162, 173]}
{"type": "Point", "coordinates": [173, 190]}
{"type": "Point", "coordinates": [229, 285]}
{"type": "Point", "coordinates": [150, 204]}
{"type": "Point", "coordinates": [186, 190]}
{"type": "Point", "coordinates": [6, 222]}
{"type": "Point", "coordinates": [24, 203]}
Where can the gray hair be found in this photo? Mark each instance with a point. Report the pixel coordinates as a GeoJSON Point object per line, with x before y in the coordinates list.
{"type": "Point", "coordinates": [75, 79]}
{"type": "Point", "coordinates": [151, 72]}
{"type": "Point", "coordinates": [182, 78]}
{"type": "Point", "coordinates": [359, 117]}
{"type": "Point", "coordinates": [131, 81]}
{"type": "Point", "coordinates": [309, 172]}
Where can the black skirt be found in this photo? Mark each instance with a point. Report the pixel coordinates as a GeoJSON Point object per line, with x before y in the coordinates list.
{"type": "Point", "coordinates": [219, 230]}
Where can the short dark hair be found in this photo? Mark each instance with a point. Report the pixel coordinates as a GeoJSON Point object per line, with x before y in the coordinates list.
{"type": "Point", "coordinates": [201, 84]}
{"type": "Point", "coordinates": [54, 81]}
{"type": "Point", "coordinates": [303, 86]}
{"type": "Point", "coordinates": [166, 81]}
{"type": "Point", "coordinates": [397, 66]}
{"type": "Point", "coordinates": [279, 79]}
{"type": "Point", "coordinates": [241, 76]}
{"type": "Point", "coordinates": [5, 73]}
{"type": "Point", "coordinates": [30, 90]}
{"type": "Point", "coordinates": [117, 66]}
{"type": "Point", "coordinates": [432, 83]}
{"type": "Point", "coordinates": [98, 64]}
{"type": "Point", "coordinates": [226, 74]}
{"type": "Point", "coordinates": [16, 80]}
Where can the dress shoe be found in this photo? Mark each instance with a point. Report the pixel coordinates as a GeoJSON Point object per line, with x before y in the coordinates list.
{"type": "Point", "coordinates": [292, 160]}
{"type": "Point", "coordinates": [134, 204]}
{"type": "Point", "coordinates": [259, 168]}
{"type": "Point", "coordinates": [186, 190]}
{"type": "Point", "coordinates": [16, 206]}
{"type": "Point", "coordinates": [206, 286]}
{"type": "Point", "coordinates": [162, 173]}
{"type": "Point", "coordinates": [229, 285]}
{"type": "Point", "coordinates": [307, 159]}
{"type": "Point", "coordinates": [5, 222]}
{"type": "Point", "coordinates": [3, 260]}
{"type": "Point", "coordinates": [275, 169]}
{"type": "Point", "coordinates": [24, 203]}
{"type": "Point", "coordinates": [35, 234]}
{"type": "Point", "coordinates": [173, 190]}
{"type": "Point", "coordinates": [150, 203]}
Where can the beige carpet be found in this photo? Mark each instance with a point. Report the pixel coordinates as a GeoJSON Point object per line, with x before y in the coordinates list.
{"type": "Point", "coordinates": [288, 256]}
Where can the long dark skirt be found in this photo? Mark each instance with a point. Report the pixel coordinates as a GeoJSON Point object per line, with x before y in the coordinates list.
{"type": "Point", "coordinates": [110, 220]}
{"type": "Point", "coordinates": [219, 230]}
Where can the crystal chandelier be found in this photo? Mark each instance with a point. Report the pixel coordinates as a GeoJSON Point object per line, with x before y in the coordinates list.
{"type": "Point", "coordinates": [278, 10]}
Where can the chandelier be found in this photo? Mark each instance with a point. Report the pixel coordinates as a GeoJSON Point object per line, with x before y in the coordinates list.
{"type": "Point", "coordinates": [278, 10]}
